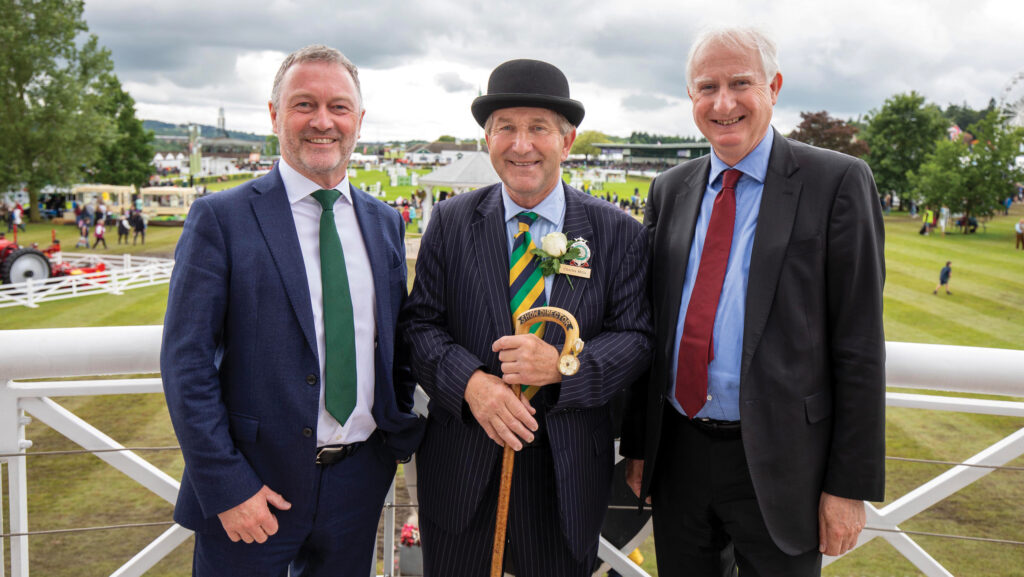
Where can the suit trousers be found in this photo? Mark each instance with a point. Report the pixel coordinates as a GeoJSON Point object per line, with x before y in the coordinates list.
{"type": "Point", "coordinates": [333, 537]}
{"type": "Point", "coordinates": [534, 546]}
{"type": "Point", "coordinates": [703, 498]}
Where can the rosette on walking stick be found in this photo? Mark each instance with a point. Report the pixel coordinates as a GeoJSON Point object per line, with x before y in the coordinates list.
{"type": "Point", "coordinates": [568, 364]}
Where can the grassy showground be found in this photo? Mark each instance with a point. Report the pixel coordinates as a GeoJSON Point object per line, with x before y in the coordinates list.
{"type": "Point", "coordinates": [985, 311]}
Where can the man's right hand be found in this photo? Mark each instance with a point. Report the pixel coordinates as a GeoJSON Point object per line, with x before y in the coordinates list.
{"type": "Point", "coordinates": [505, 417]}
{"type": "Point", "coordinates": [251, 520]}
{"type": "Point", "coordinates": [635, 476]}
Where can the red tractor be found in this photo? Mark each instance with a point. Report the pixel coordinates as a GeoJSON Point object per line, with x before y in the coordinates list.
{"type": "Point", "coordinates": [19, 264]}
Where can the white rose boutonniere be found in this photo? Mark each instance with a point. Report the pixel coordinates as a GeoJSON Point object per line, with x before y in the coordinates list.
{"type": "Point", "coordinates": [556, 251]}
{"type": "Point", "coordinates": [554, 244]}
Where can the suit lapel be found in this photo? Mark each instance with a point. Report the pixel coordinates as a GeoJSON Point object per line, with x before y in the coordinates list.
{"type": "Point", "coordinates": [274, 214]}
{"type": "Point", "coordinates": [779, 203]}
{"type": "Point", "coordinates": [371, 226]}
{"type": "Point", "coordinates": [680, 210]}
{"type": "Point", "coordinates": [575, 225]}
{"type": "Point", "coordinates": [489, 258]}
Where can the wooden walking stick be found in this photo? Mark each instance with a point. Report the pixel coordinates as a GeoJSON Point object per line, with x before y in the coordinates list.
{"type": "Point", "coordinates": [568, 364]}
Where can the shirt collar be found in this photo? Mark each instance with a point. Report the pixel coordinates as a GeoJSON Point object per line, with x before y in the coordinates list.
{"type": "Point", "coordinates": [754, 165]}
{"type": "Point", "coordinates": [551, 208]}
{"type": "Point", "coordinates": [298, 187]}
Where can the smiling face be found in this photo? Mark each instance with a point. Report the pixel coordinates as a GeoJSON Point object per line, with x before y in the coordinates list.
{"type": "Point", "coordinates": [732, 100]}
{"type": "Point", "coordinates": [527, 148]}
{"type": "Point", "coordinates": [318, 120]}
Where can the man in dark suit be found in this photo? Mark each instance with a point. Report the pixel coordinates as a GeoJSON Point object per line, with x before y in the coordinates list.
{"type": "Point", "coordinates": [763, 421]}
{"type": "Point", "coordinates": [473, 273]}
{"type": "Point", "coordinates": [284, 379]}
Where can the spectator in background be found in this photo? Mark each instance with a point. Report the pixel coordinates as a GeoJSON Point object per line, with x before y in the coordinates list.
{"type": "Point", "coordinates": [944, 275]}
{"type": "Point", "coordinates": [124, 226]}
{"type": "Point", "coordinates": [1019, 229]}
{"type": "Point", "coordinates": [139, 225]}
{"type": "Point", "coordinates": [100, 230]}
{"type": "Point", "coordinates": [17, 218]}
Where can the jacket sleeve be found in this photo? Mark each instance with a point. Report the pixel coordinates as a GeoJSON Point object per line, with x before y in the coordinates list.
{"type": "Point", "coordinates": [856, 275]}
{"type": "Point", "coordinates": [442, 366]}
{"type": "Point", "coordinates": [192, 343]}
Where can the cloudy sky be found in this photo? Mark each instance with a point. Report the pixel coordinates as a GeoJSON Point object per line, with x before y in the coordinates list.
{"type": "Point", "coordinates": [422, 63]}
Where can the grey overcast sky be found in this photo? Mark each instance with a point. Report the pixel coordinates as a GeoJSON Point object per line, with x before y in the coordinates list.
{"type": "Point", "coordinates": [422, 62]}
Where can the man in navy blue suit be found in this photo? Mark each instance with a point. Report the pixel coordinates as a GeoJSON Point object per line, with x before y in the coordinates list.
{"type": "Point", "coordinates": [276, 478]}
{"type": "Point", "coordinates": [458, 321]}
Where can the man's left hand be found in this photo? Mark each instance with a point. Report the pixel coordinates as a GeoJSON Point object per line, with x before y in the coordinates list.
{"type": "Point", "coordinates": [840, 521]}
{"type": "Point", "coordinates": [527, 360]}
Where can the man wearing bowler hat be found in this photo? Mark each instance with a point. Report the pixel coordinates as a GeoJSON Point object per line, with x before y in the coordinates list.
{"type": "Point", "coordinates": [475, 272]}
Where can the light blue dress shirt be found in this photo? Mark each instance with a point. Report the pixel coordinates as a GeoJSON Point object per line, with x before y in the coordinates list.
{"type": "Point", "coordinates": [550, 217]}
{"type": "Point", "coordinates": [724, 371]}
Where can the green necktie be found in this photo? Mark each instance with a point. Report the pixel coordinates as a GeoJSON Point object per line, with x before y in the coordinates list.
{"type": "Point", "coordinates": [339, 327]}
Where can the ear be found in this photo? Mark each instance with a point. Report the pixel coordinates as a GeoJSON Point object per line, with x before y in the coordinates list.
{"type": "Point", "coordinates": [775, 86]}
{"type": "Point", "coordinates": [273, 117]}
{"type": "Point", "coordinates": [567, 141]}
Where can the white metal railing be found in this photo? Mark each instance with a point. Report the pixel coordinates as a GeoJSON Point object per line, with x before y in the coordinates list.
{"type": "Point", "coordinates": [123, 272]}
{"type": "Point", "coordinates": [135, 350]}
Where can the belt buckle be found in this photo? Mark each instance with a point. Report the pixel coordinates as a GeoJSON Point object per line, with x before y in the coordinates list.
{"type": "Point", "coordinates": [328, 451]}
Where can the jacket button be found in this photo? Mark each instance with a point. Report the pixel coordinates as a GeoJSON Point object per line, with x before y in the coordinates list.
{"type": "Point", "coordinates": [311, 379]}
{"type": "Point", "coordinates": [307, 432]}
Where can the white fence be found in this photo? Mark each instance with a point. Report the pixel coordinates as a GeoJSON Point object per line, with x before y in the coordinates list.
{"type": "Point", "coordinates": [135, 350]}
{"type": "Point", "coordinates": [123, 272]}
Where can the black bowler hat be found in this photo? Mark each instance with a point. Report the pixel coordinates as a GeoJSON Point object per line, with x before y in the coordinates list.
{"type": "Point", "coordinates": [527, 83]}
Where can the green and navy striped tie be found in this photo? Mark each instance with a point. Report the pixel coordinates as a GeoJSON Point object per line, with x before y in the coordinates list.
{"type": "Point", "coordinates": [525, 282]}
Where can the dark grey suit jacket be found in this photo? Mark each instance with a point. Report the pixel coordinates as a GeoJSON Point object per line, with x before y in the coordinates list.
{"type": "Point", "coordinates": [812, 376]}
{"type": "Point", "coordinates": [459, 306]}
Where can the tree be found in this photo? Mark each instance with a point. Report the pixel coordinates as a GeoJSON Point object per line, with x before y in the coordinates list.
{"type": "Point", "coordinates": [900, 136]}
{"type": "Point", "coordinates": [127, 158]}
{"type": "Point", "coordinates": [51, 122]}
{"type": "Point", "coordinates": [964, 116]}
{"type": "Point", "coordinates": [585, 143]}
{"type": "Point", "coordinates": [973, 178]}
{"type": "Point", "coordinates": [820, 129]}
{"type": "Point", "coordinates": [446, 138]}
{"type": "Point", "coordinates": [271, 145]}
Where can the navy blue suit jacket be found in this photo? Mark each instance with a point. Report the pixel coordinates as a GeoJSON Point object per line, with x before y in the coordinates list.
{"type": "Point", "coordinates": [459, 306]}
{"type": "Point", "coordinates": [239, 356]}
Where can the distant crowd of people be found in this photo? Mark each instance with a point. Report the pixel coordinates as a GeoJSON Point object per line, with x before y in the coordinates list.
{"type": "Point", "coordinates": [94, 219]}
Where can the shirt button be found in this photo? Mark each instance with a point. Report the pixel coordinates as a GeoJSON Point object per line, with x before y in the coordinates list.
{"type": "Point", "coordinates": [709, 397]}
{"type": "Point", "coordinates": [311, 379]}
{"type": "Point", "coordinates": [307, 432]}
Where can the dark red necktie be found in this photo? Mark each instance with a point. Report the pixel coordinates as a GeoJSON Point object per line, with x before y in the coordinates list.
{"type": "Point", "coordinates": [696, 348]}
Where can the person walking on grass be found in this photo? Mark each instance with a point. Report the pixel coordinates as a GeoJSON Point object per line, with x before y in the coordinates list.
{"type": "Point", "coordinates": [1019, 229]}
{"type": "Point", "coordinates": [944, 275]}
{"type": "Point", "coordinates": [100, 230]}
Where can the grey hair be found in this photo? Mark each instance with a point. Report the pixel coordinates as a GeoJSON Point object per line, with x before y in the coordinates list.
{"type": "Point", "coordinates": [745, 38]}
{"type": "Point", "coordinates": [564, 126]}
{"type": "Point", "coordinates": [314, 53]}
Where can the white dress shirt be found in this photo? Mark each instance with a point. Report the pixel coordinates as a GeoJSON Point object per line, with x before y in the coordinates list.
{"type": "Point", "coordinates": [306, 212]}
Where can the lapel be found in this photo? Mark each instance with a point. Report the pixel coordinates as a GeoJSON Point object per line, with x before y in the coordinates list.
{"type": "Point", "coordinates": [274, 215]}
{"type": "Point", "coordinates": [778, 209]}
{"type": "Point", "coordinates": [488, 258]}
{"type": "Point", "coordinates": [680, 212]}
{"type": "Point", "coordinates": [371, 226]}
{"type": "Point", "coordinates": [575, 225]}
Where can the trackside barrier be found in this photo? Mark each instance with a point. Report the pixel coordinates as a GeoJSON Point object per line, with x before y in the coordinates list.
{"type": "Point", "coordinates": [135, 350]}
{"type": "Point", "coordinates": [123, 272]}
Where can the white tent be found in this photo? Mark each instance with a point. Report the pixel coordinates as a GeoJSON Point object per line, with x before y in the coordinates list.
{"type": "Point", "coordinates": [472, 171]}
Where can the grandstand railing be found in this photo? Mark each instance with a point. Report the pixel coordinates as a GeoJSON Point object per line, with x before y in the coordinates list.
{"type": "Point", "coordinates": [123, 272]}
{"type": "Point", "coordinates": [29, 354]}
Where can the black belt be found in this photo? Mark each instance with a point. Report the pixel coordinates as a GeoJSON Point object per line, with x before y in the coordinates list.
{"type": "Point", "coordinates": [715, 428]}
{"type": "Point", "coordinates": [331, 454]}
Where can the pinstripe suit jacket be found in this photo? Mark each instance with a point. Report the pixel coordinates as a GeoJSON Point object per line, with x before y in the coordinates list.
{"type": "Point", "coordinates": [459, 306]}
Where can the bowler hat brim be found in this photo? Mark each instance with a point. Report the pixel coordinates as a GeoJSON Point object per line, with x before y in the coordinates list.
{"type": "Point", "coordinates": [484, 105]}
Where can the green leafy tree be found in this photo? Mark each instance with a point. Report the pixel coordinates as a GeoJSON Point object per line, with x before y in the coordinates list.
{"type": "Point", "coordinates": [127, 158]}
{"type": "Point", "coordinates": [585, 141]}
{"type": "Point", "coordinates": [964, 116]}
{"type": "Point", "coordinates": [51, 119]}
{"type": "Point", "coordinates": [446, 138]}
{"type": "Point", "coordinates": [272, 146]}
{"type": "Point", "coordinates": [900, 135]}
{"type": "Point", "coordinates": [972, 178]}
{"type": "Point", "coordinates": [820, 129]}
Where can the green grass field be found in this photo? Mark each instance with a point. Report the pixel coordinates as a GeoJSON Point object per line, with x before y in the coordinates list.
{"type": "Point", "coordinates": [985, 311]}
